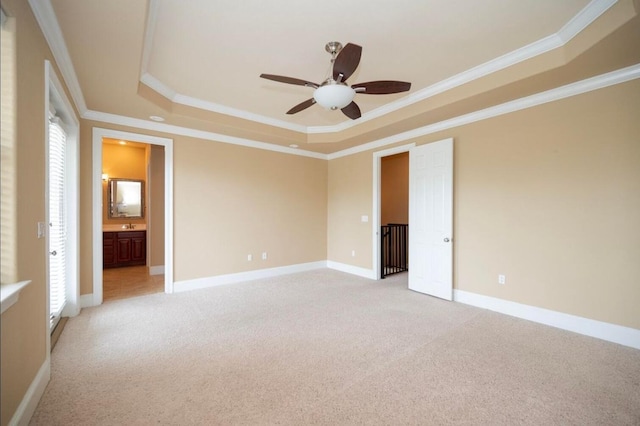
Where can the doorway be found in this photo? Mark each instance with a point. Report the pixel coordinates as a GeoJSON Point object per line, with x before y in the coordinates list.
{"type": "Point", "coordinates": [162, 269]}
{"type": "Point", "coordinates": [133, 219]}
{"type": "Point", "coordinates": [62, 205]}
{"type": "Point", "coordinates": [430, 216]}
{"type": "Point", "coordinates": [379, 218]}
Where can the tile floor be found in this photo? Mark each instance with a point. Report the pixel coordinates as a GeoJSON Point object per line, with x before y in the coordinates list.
{"type": "Point", "coordinates": [121, 283]}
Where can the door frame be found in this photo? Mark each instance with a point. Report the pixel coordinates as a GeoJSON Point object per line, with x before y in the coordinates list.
{"type": "Point", "coordinates": [377, 208]}
{"type": "Point", "coordinates": [167, 143]}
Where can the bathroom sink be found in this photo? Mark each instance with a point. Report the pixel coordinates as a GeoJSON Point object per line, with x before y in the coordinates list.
{"type": "Point", "coordinates": [124, 227]}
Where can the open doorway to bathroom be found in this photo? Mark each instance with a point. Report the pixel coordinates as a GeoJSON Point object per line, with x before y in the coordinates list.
{"type": "Point", "coordinates": [132, 219]}
{"type": "Point", "coordinates": [132, 236]}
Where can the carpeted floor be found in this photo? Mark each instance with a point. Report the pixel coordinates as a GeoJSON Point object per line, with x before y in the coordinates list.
{"type": "Point", "coordinates": [324, 347]}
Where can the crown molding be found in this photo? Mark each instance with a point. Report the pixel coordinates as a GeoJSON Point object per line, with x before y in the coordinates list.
{"type": "Point", "coordinates": [594, 83]}
{"type": "Point", "coordinates": [573, 89]}
{"type": "Point", "coordinates": [46, 17]}
{"type": "Point", "coordinates": [199, 134]}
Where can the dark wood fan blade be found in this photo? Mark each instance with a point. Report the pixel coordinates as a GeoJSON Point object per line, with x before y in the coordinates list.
{"type": "Point", "coordinates": [352, 111]}
{"type": "Point", "coordinates": [289, 80]}
{"type": "Point", "coordinates": [382, 87]}
{"type": "Point", "coordinates": [303, 105]}
{"type": "Point", "coordinates": [346, 62]}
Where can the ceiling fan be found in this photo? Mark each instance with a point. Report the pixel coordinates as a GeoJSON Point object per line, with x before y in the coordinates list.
{"type": "Point", "coordinates": [334, 93]}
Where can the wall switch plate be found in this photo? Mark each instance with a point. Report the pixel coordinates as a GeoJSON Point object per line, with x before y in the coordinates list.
{"type": "Point", "coordinates": [249, 257]}
{"type": "Point", "coordinates": [41, 230]}
{"type": "Point", "coordinates": [264, 255]}
{"type": "Point", "coordinates": [353, 253]}
{"type": "Point", "coordinates": [502, 279]}
{"type": "Point", "coordinates": [364, 218]}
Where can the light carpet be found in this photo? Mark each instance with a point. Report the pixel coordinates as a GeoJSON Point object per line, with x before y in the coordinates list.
{"type": "Point", "coordinates": [324, 347]}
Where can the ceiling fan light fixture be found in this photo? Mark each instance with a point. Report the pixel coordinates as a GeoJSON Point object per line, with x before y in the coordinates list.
{"type": "Point", "coordinates": [334, 95]}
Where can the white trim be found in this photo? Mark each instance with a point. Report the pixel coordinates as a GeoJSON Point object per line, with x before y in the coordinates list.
{"type": "Point", "coordinates": [584, 18]}
{"type": "Point", "coordinates": [156, 270]}
{"type": "Point", "coordinates": [87, 301]}
{"type": "Point", "coordinates": [594, 83]}
{"type": "Point", "coordinates": [377, 208]}
{"type": "Point", "coordinates": [98, 135]}
{"type": "Point", "coordinates": [573, 27]}
{"type": "Point", "coordinates": [46, 17]}
{"type": "Point", "coordinates": [234, 112]}
{"type": "Point", "coordinates": [29, 402]}
{"type": "Point", "coordinates": [353, 270]}
{"type": "Point", "coordinates": [9, 294]}
{"type": "Point", "coordinates": [218, 280]}
{"type": "Point", "coordinates": [200, 134]}
{"type": "Point", "coordinates": [601, 330]}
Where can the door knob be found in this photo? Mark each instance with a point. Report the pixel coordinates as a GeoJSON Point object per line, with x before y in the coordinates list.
{"type": "Point", "coordinates": [53, 253]}
{"type": "Point", "coordinates": [446, 240]}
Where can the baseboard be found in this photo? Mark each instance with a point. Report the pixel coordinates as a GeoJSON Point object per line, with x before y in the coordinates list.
{"type": "Point", "coordinates": [353, 270]}
{"type": "Point", "coordinates": [602, 330]}
{"type": "Point", "coordinates": [199, 283]}
{"type": "Point", "coordinates": [86, 301]}
{"type": "Point", "coordinates": [156, 270]}
{"type": "Point", "coordinates": [28, 405]}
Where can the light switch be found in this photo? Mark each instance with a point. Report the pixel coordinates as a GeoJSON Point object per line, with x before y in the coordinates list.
{"type": "Point", "coordinates": [41, 230]}
{"type": "Point", "coordinates": [364, 218]}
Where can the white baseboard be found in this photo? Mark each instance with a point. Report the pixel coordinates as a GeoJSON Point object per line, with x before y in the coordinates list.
{"type": "Point", "coordinates": [207, 282]}
{"type": "Point", "coordinates": [87, 301]}
{"type": "Point", "coordinates": [28, 405]}
{"type": "Point", "coordinates": [353, 270]}
{"type": "Point", "coordinates": [156, 270]}
{"type": "Point", "coordinates": [602, 330]}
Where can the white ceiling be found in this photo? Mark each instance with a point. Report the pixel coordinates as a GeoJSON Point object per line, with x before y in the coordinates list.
{"type": "Point", "coordinates": [214, 51]}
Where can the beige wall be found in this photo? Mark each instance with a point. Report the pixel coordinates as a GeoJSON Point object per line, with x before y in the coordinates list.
{"type": "Point", "coordinates": [122, 162]}
{"type": "Point", "coordinates": [231, 201]}
{"type": "Point", "coordinates": [548, 196]}
{"type": "Point", "coordinates": [24, 326]}
{"type": "Point", "coordinates": [350, 198]}
{"type": "Point", "coordinates": [394, 189]}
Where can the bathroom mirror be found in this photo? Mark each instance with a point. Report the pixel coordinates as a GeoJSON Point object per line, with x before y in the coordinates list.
{"type": "Point", "coordinates": [126, 198]}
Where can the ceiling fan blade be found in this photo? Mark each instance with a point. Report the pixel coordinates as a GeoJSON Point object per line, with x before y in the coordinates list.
{"type": "Point", "coordinates": [352, 111]}
{"type": "Point", "coordinates": [381, 87]}
{"type": "Point", "coordinates": [346, 62]}
{"type": "Point", "coordinates": [301, 106]}
{"type": "Point", "coordinates": [289, 80]}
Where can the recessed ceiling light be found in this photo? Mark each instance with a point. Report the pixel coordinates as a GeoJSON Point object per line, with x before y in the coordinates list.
{"type": "Point", "coordinates": [156, 118]}
{"type": "Point", "coordinates": [122, 142]}
{"type": "Point", "coordinates": [293, 145]}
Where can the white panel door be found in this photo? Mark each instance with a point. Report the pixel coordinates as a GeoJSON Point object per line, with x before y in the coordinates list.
{"type": "Point", "coordinates": [430, 219]}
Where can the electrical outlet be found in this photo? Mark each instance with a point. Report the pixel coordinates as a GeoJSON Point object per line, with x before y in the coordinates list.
{"type": "Point", "coordinates": [264, 255]}
{"type": "Point", "coordinates": [249, 257]}
{"type": "Point", "coordinates": [502, 279]}
{"type": "Point", "coordinates": [353, 253]}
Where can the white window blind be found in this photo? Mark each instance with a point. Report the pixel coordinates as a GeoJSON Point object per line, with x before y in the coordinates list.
{"type": "Point", "coordinates": [57, 219]}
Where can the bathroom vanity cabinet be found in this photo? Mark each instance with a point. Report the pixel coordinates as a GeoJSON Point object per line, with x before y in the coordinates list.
{"type": "Point", "coordinates": [124, 248]}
